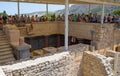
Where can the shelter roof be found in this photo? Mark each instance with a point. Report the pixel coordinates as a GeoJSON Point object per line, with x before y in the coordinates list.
{"type": "Point", "coordinates": [109, 2]}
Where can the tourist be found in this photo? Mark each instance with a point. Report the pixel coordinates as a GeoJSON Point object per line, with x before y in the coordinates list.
{"type": "Point", "coordinates": [53, 17]}
{"type": "Point", "coordinates": [90, 17]}
{"type": "Point", "coordinates": [109, 18]}
{"type": "Point", "coordinates": [83, 17]}
{"type": "Point", "coordinates": [86, 18]}
{"type": "Point", "coordinates": [22, 19]}
{"type": "Point", "coordinates": [70, 18]}
{"type": "Point", "coordinates": [63, 18]}
{"type": "Point", "coordinates": [42, 19]}
{"type": "Point", "coordinates": [10, 19]}
{"type": "Point", "coordinates": [32, 18]}
{"type": "Point", "coordinates": [58, 18]}
{"type": "Point", "coordinates": [74, 17]}
{"type": "Point", "coordinates": [4, 17]}
{"type": "Point", "coordinates": [1, 19]}
{"type": "Point", "coordinates": [28, 19]}
{"type": "Point", "coordinates": [25, 18]}
{"type": "Point", "coordinates": [94, 19]}
{"type": "Point", "coordinates": [36, 18]}
{"type": "Point", "coordinates": [99, 18]}
{"type": "Point", "coordinates": [116, 19]}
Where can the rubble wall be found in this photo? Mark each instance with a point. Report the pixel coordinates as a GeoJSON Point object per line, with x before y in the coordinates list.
{"type": "Point", "coordinates": [60, 64]}
{"type": "Point", "coordinates": [67, 63]}
{"type": "Point", "coordinates": [94, 64]}
{"type": "Point", "coordinates": [104, 38]}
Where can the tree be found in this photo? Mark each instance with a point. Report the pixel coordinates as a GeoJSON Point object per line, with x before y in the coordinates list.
{"type": "Point", "coordinates": [116, 12]}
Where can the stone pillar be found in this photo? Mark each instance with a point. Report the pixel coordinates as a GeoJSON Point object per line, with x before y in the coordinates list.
{"type": "Point", "coordinates": [22, 51]}
{"type": "Point", "coordinates": [46, 41]}
{"type": "Point", "coordinates": [58, 41]}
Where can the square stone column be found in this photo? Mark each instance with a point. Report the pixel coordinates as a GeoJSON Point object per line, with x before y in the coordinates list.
{"type": "Point", "coordinates": [22, 51]}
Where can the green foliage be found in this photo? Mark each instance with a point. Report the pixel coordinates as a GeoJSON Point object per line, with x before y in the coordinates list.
{"type": "Point", "coordinates": [49, 15]}
{"type": "Point", "coordinates": [116, 12]}
{"type": "Point", "coordinates": [98, 10]}
{"type": "Point", "coordinates": [1, 13]}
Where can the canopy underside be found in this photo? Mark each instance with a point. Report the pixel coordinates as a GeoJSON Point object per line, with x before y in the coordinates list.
{"type": "Point", "coordinates": [109, 2]}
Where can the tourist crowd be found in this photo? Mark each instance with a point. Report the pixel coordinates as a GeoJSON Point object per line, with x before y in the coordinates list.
{"type": "Point", "coordinates": [89, 18]}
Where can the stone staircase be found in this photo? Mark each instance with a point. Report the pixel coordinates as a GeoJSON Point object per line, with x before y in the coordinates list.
{"type": "Point", "coordinates": [6, 54]}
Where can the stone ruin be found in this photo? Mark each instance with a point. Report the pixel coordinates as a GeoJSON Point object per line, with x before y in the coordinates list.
{"type": "Point", "coordinates": [98, 59]}
{"type": "Point", "coordinates": [78, 61]}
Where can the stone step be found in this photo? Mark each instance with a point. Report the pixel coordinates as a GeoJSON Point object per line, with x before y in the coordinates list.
{"type": "Point", "coordinates": [3, 38]}
{"type": "Point", "coordinates": [7, 60]}
{"type": "Point", "coordinates": [5, 49]}
{"type": "Point", "coordinates": [4, 46]}
{"type": "Point", "coordinates": [6, 56]}
{"type": "Point", "coordinates": [5, 53]}
{"type": "Point", "coordinates": [2, 34]}
{"type": "Point", "coordinates": [4, 43]}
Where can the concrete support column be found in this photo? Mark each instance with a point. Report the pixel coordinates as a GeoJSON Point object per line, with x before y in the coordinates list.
{"type": "Point", "coordinates": [102, 16]}
{"type": "Point", "coordinates": [66, 23]}
{"type": "Point", "coordinates": [18, 5]}
{"type": "Point", "coordinates": [89, 11]}
{"type": "Point", "coordinates": [47, 11]}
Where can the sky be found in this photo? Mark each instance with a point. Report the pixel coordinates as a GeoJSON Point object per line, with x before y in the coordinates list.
{"type": "Point", "coordinates": [11, 7]}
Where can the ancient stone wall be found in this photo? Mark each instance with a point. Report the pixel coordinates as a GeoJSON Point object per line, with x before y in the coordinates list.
{"type": "Point", "coordinates": [94, 64]}
{"type": "Point", "coordinates": [118, 65]}
{"type": "Point", "coordinates": [45, 28]}
{"type": "Point", "coordinates": [77, 29]}
{"type": "Point", "coordinates": [67, 63]}
{"type": "Point", "coordinates": [60, 64]}
{"type": "Point", "coordinates": [117, 40]}
{"type": "Point", "coordinates": [116, 58]}
{"type": "Point", "coordinates": [104, 37]}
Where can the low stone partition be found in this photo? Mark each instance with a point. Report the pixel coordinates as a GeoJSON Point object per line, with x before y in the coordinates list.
{"type": "Point", "coordinates": [94, 64]}
{"type": "Point", "coordinates": [78, 61]}
{"type": "Point", "coordinates": [65, 63]}
{"type": "Point", "coordinates": [116, 56]}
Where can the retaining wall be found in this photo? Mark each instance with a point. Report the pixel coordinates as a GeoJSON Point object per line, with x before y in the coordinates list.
{"type": "Point", "coordinates": [67, 63]}
{"type": "Point", "coordinates": [60, 64]}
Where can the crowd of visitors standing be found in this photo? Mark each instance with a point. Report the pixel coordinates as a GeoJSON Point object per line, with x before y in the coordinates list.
{"type": "Point", "coordinates": [89, 18]}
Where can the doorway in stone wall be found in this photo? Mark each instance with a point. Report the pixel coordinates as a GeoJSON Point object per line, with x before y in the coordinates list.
{"type": "Point", "coordinates": [117, 49]}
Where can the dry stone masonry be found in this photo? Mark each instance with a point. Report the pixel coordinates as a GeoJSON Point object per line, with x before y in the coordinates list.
{"type": "Point", "coordinates": [104, 36]}
{"type": "Point", "coordinates": [78, 61]}
{"type": "Point", "coordinates": [94, 64]}
{"type": "Point", "coordinates": [60, 64]}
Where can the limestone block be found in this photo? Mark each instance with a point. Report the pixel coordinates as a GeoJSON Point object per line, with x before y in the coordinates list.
{"type": "Point", "coordinates": [38, 52]}
{"type": "Point", "coordinates": [110, 53]}
{"type": "Point", "coordinates": [23, 31]}
{"type": "Point", "coordinates": [50, 49]}
{"type": "Point", "coordinates": [14, 36]}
